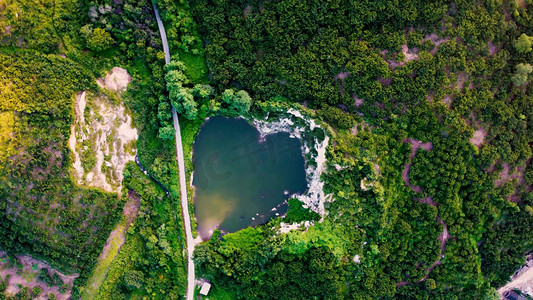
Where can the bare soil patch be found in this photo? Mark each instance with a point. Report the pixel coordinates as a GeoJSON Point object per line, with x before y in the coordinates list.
{"type": "Point", "coordinates": [415, 145]}
{"type": "Point", "coordinates": [443, 238]}
{"type": "Point", "coordinates": [103, 139]}
{"type": "Point", "coordinates": [430, 98]}
{"type": "Point", "coordinates": [341, 76]}
{"type": "Point", "coordinates": [493, 49]}
{"type": "Point", "coordinates": [448, 100]}
{"type": "Point", "coordinates": [114, 243]}
{"type": "Point", "coordinates": [410, 54]}
{"type": "Point", "coordinates": [28, 276]}
{"type": "Point", "coordinates": [521, 280]}
{"type": "Point", "coordinates": [116, 80]}
{"type": "Point", "coordinates": [394, 64]}
{"type": "Point", "coordinates": [506, 175]}
{"type": "Point", "coordinates": [385, 81]}
{"type": "Point", "coordinates": [462, 77]}
{"type": "Point", "coordinates": [479, 137]}
{"type": "Point", "coordinates": [436, 40]}
{"type": "Point", "coordinates": [131, 209]}
{"type": "Point", "coordinates": [247, 11]}
{"type": "Point", "coordinates": [427, 200]}
{"type": "Point", "coordinates": [357, 101]}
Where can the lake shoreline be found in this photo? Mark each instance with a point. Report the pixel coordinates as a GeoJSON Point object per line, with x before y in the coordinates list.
{"type": "Point", "coordinates": [312, 149]}
{"type": "Point", "coordinates": [314, 196]}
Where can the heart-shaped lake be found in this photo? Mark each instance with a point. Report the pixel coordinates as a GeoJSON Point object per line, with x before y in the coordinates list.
{"type": "Point", "coordinates": [240, 179]}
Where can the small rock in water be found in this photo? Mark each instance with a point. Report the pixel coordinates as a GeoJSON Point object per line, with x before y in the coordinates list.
{"type": "Point", "coordinates": [253, 219]}
{"type": "Point", "coordinates": [277, 214]}
{"type": "Point", "coordinates": [274, 209]}
{"type": "Point", "coordinates": [285, 192]}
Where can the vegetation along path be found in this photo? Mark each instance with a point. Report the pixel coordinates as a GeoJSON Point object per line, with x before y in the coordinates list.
{"type": "Point", "coordinates": [181, 168]}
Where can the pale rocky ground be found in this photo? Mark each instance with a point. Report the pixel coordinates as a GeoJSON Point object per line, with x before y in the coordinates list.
{"type": "Point", "coordinates": [116, 80]}
{"type": "Point", "coordinates": [107, 127]}
{"type": "Point", "coordinates": [104, 131]}
{"type": "Point", "coordinates": [28, 277]}
{"type": "Point", "coordinates": [522, 280]}
{"type": "Point", "coordinates": [285, 228]}
{"type": "Point", "coordinates": [314, 197]}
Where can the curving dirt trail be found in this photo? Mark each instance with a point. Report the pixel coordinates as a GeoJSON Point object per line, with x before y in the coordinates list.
{"type": "Point", "coordinates": [444, 236]}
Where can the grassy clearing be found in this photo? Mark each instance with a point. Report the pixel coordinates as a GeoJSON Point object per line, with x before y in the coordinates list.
{"type": "Point", "coordinates": [150, 264]}
{"type": "Point", "coordinates": [100, 271]}
{"type": "Point", "coordinates": [196, 69]}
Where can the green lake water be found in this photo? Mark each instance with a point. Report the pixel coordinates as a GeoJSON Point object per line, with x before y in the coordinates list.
{"type": "Point", "coordinates": [241, 180]}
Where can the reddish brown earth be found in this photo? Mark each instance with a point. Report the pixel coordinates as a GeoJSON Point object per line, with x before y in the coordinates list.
{"type": "Point", "coordinates": [430, 98]}
{"type": "Point", "coordinates": [247, 11]}
{"type": "Point", "coordinates": [28, 277]}
{"type": "Point", "coordinates": [357, 101]}
{"type": "Point", "coordinates": [493, 49]}
{"type": "Point", "coordinates": [415, 144]}
{"type": "Point", "coordinates": [436, 40]}
{"type": "Point", "coordinates": [131, 209]}
{"type": "Point", "coordinates": [522, 3]}
{"type": "Point", "coordinates": [462, 78]}
{"type": "Point", "coordinates": [506, 175]}
{"type": "Point", "coordinates": [385, 81]}
{"type": "Point", "coordinates": [444, 236]}
{"type": "Point", "coordinates": [341, 76]}
{"type": "Point", "coordinates": [448, 100]}
{"type": "Point", "coordinates": [509, 174]}
{"type": "Point", "coordinates": [428, 200]}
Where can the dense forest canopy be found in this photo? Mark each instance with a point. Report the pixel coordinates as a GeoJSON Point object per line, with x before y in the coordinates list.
{"type": "Point", "coordinates": [47, 56]}
{"type": "Point", "coordinates": [429, 102]}
{"type": "Point", "coordinates": [44, 213]}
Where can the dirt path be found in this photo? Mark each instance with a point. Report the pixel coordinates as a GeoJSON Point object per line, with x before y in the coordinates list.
{"type": "Point", "coordinates": [191, 278]}
{"type": "Point", "coordinates": [116, 240]}
{"type": "Point", "coordinates": [445, 235]}
{"type": "Point", "coordinates": [415, 144]}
